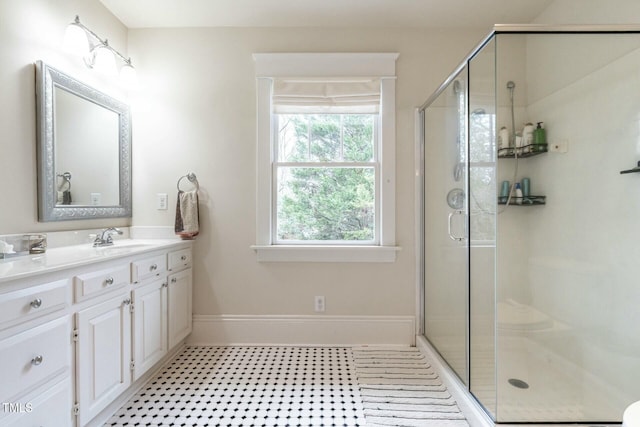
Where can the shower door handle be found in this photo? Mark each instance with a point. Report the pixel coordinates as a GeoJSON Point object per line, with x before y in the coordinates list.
{"type": "Point", "coordinates": [451, 236]}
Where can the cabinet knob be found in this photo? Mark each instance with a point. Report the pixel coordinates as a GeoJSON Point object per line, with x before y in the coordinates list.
{"type": "Point", "coordinates": [109, 281]}
{"type": "Point", "coordinates": [165, 285]}
{"type": "Point", "coordinates": [36, 360]}
{"type": "Point", "coordinates": [153, 267]}
{"type": "Point", "coordinates": [127, 301]}
{"type": "Point", "coordinates": [174, 280]}
{"type": "Point", "coordinates": [36, 303]}
{"type": "Point", "coordinates": [183, 257]}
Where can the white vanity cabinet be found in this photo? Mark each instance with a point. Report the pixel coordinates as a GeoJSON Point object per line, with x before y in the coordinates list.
{"type": "Point", "coordinates": [148, 268]}
{"type": "Point", "coordinates": [180, 287]}
{"type": "Point", "coordinates": [51, 408]}
{"type": "Point", "coordinates": [149, 325]}
{"type": "Point", "coordinates": [94, 283]}
{"type": "Point", "coordinates": [76, 338]}
{"type": "Point", "coordinates": [103, 354]}
{"type": "Point", "coordinates": [35, 352]}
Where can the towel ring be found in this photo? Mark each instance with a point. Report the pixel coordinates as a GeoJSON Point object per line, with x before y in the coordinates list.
{"type": "Point", "coordinates": [192, 179]}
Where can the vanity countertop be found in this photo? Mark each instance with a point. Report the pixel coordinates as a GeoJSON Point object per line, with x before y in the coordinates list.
{"type": "Point", "coordinates": [74, 256]}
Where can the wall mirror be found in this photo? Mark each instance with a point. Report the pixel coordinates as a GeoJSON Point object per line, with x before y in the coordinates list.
{"type": "Point", "coordinates": [84, 150]}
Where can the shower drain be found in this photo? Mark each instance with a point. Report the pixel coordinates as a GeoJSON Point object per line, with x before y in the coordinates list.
{"type": "Point", "coordinates": [518, 383]}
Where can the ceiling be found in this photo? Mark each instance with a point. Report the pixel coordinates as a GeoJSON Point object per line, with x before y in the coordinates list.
{"type": "Point", "coordinates": [325, 13]}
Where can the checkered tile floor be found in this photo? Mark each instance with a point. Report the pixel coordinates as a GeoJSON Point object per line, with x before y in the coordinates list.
{"type": "Point", "coordinates": [250, 386]}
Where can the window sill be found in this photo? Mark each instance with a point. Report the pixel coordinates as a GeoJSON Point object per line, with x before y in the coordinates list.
{"type": "Point", "coordinates": [304, 253]}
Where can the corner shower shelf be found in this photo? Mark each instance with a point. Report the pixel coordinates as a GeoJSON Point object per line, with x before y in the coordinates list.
{"type": "Point", "coordinates": [523, 201]}
{"type": "Point", "coordinates": [524, 151]}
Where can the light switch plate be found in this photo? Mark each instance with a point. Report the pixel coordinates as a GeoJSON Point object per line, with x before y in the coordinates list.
{"type": "Point", "coordinates": [96, 199]}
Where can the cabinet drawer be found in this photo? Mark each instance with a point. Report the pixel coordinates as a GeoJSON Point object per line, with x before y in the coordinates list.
{"type": "Point", "coordinates": [32, 357]}
{"type": "Point", "coordinates": [30, 303]}
{"type": "Point", "coordinates": [179, 259]}
{"type": "Point", "coordinates": [99, 282]}
{"type": "Point", "coordinates": [148, 268]}
{"type": "Point", "coordinates": [49, 408]}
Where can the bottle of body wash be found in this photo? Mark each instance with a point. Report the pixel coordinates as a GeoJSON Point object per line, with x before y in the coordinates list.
{"type": "Point", "coordinates": [527, 137]}
{"type": "Point", "coordinates": [517, 194]}
{"type": "Point", "coordinates": [503, 138]}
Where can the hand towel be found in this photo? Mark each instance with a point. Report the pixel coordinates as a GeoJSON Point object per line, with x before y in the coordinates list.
{"type": "Point", "coordinates": [187, 215]}
{"type": "Point", "coordinates": [63, 197]}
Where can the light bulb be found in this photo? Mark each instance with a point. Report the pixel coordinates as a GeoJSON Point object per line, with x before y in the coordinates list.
{"type": "Point", "coordinates": [104, 61]}
{"type": "Point", "coordinates": [128, 75]}
{"type": "Point", "coordinates": [75, 40]}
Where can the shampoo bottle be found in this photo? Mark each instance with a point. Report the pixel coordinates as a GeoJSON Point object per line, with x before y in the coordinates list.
{"type": "Point", "coordinates": [503, 138]}
{"type": "Point", "coordinates": [527, 136]}
{"type": "Point", "coordinates": [518, 194]}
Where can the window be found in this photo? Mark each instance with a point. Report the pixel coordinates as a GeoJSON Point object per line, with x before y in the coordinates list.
{"type": "Point", "coordinates": [326, 157]}
{"type": "Point", "coordinates": [482, 170]}
{"type": "Point", "coordinates": [326, 178]}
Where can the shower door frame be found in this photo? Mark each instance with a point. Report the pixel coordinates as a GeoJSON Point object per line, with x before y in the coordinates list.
{"type": "Point", "coordinates": [419, 126]}
{"type": "Point", "coordinates": [420, 184]}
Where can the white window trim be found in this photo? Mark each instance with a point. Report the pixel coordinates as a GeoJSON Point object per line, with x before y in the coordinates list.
{"type": "Point", "coordinates": [275, 65]}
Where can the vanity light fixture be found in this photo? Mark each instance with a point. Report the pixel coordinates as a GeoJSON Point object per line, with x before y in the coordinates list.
{"type": "Point", "coordinates": [96, 52]}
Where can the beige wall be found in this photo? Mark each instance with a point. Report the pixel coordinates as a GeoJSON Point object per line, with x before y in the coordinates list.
{"type": "Point", "coordinates": [195, 111]}
{"type": "Point", "coordinates": [591, 12]}
{"type": "Point", "coordinates": [31, 30]}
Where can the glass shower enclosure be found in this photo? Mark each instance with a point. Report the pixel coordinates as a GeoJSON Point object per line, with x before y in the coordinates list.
{"type": "Point", "coordinates": [530, 287]}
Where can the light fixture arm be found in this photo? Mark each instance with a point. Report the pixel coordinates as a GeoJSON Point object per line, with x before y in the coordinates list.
{"type": "Point", "coordinates": [100, 42]}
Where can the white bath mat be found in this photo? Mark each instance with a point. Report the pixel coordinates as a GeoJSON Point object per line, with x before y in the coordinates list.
{"type": "Point", "coordinates": [400, 388]}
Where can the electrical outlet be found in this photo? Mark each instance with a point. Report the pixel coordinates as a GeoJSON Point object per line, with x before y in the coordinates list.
{"type": "Point", "coordinates": [162, 201]}
{"type": "Point", "coordinates": [318, 304]}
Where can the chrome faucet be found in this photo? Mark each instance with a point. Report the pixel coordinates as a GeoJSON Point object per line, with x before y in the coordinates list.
{"type": "Point", "coordinates": [104, 238]}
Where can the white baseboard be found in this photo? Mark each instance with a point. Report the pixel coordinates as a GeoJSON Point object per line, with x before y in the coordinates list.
{"type": "Point", "coordinates": [302, 330]}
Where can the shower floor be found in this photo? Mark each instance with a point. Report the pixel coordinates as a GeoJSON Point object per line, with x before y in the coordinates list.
{"type": "Point", "coordinates": [557, 391]}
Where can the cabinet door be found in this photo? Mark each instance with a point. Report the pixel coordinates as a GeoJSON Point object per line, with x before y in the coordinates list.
{"type": "Point", "coordinates": [180, 300]}
{"type": "Point", "coordinates": [33, 357]}
{"type": "Point", "coordinates": [149, 326]}
{"type": "Point", "coordinates": [51, 407]}
{"type": "Point", "coordinates": [103, 358]}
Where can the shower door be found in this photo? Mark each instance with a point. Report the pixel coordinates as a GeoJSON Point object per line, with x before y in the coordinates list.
{"type": "Point", "coordinates": [445, 227]}
{"type": "Point", "coordinates": [483, 212]}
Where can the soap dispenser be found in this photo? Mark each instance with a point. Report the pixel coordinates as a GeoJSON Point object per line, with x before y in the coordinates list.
{"type": "Point", "coordinates": [539, 138]}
